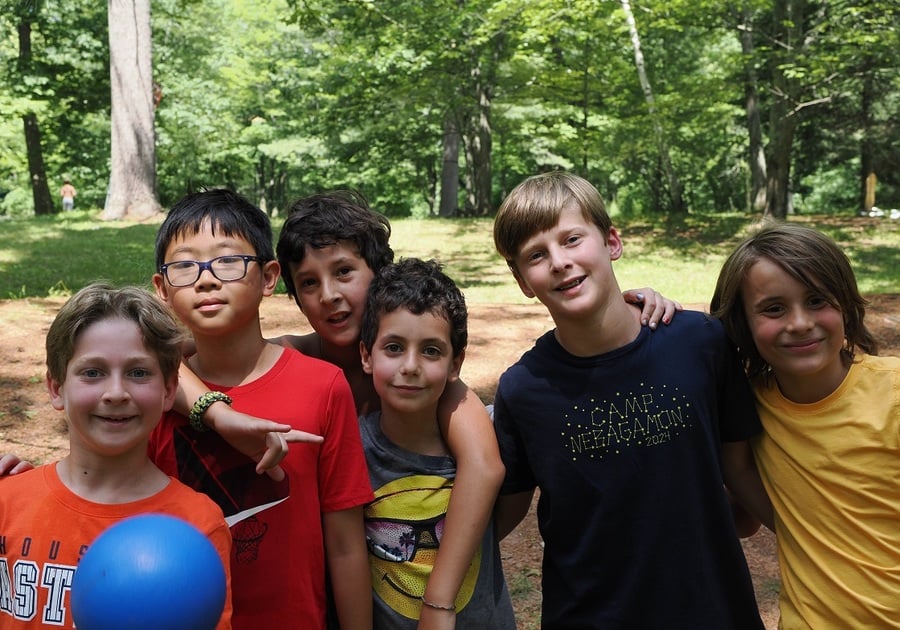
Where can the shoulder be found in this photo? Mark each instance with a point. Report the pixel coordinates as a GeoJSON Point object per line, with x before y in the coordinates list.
{"type": "Point", "coordinates": [881, 369]}
{"type": "Point", "coordinates": [880, 363]}
{"type": "Point", "coordinates": [295, 360]}
{"type": "Point", "coordinates": [308, 344]}
{"type": "Point", "coordinates": [693, 320]}
{"type": "Point", "coordinates": [190, 504]}
{"type": "Point", "coordinates": [32, 477]}
{"type": "Point", "coordinates": [692, 327]}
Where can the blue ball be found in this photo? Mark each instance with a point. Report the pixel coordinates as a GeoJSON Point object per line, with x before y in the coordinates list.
{"type": "Point", "coordinates": [149, 571]}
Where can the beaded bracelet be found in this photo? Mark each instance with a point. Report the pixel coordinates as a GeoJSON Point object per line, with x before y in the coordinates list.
{"type": "Point", "coordinates": [195, 417]}
{"type": "Point", "coordinates": [451, 608]}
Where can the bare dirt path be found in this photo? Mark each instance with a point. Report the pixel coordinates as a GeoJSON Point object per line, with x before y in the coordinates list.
{"type": "Point", "coordinates": [498, 335]}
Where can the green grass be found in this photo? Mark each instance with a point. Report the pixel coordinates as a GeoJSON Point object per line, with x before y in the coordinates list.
{"type": "Point", "coordinates": [57, 255]}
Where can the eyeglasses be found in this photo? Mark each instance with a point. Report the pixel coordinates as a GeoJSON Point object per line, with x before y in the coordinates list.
{"type": "Point", "coordinates": [398, 541]}
{"type": "Point", "coordinates": [184, 273]}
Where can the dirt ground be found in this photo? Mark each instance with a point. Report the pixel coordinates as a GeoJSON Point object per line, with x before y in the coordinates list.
{"type": "Point", "coordinates": [498, 335]}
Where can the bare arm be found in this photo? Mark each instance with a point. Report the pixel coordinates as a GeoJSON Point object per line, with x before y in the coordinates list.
{"type": "Point", "coordinates": [744, 484]}
{"type": "Point", "coordinates": [264, 441]}
{"type": "Point", "coordinates": [469, 433]}
{"type": "Point", "coordinates": [655, 307]}
{"type": "Point", "coordinates": [511, 509]}
{"type": "Point", "coordinates": [348, 565]}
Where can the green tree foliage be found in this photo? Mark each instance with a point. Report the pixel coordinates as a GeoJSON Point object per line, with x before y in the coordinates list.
{"type": "Point", "coordinates": [64, 87]}
{"type": "Point", "coordinates": [432, 107]}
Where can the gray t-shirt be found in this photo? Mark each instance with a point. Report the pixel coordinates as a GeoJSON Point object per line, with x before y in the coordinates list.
{"type": "Point", "coordinates": [404, 525]}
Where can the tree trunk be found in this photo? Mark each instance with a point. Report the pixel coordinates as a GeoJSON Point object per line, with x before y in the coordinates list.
{"type": "Point", "coordinates": [478, 146]}
{"type": "Point", "coordinates": [675, 192]}
{"type": "Point", "coordinates": [788, 20]}
{"type": "Point", "coordinates": [756, 153]}
{"type": "Point", "coordinates": [132, 180]}
{"type": "Point", "coordinates": [40, 189]}
{"type": "Point", "coordinates": [449, 204]}
{"type": "Point", "coordinates": [866, 154]}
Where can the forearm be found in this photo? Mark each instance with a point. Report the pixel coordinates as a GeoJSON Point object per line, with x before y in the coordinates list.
{"type": "Point", "coordinates": [348, 566]}
{"type": "Point", "coordinates": [469, 434]}
{"type": "Point", "coordinates": [744, 483]}
{"type": "Point", "coordinates": [510, 510]}
{"type": "Point", "coordinates": [190, 388]}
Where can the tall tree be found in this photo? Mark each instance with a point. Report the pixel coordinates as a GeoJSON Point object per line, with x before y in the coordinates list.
{"type": "Point", "coordinates": [40, 189]}
{"type": "Point", "coordinates": [756, 153]}
{"type": "Point", "coordinates": [449, 203]}
{"type": "Point", "coordinates": [132, 180]}
{"type": "Point", "coordinates": [675, 192]}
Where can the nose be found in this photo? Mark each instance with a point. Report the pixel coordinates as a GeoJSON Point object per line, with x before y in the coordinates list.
{"type": "Point", "coordinates": [206, 277]}
{"type": "Point", "coordinates": [559, 259]}
{"type": "Point", "coordinates": [115, 389]}
{"type": "Point", "coordinates": [410, 363]}
{"type": "Point", "coordinates": [331, 292]}
{"type": "Point", "coordinates": [799, 319]}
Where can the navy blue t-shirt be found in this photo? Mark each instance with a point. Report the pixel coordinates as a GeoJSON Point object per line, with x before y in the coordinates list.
{"type": "Point", "coordinates": [624, 448]}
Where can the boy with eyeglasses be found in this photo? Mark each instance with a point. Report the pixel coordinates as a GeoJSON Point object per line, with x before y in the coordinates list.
{"type": "Point", "coordinates": [216, 263]}
{"type": "Point", "coordinates": [413, 339]}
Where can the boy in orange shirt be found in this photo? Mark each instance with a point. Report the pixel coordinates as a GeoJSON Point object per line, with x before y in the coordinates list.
{"type": "Point", "coordinates": [112, 368]}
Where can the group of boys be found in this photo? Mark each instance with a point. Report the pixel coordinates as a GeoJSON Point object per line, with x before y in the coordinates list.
{"type": "Point", "coordinates": [629, 434]}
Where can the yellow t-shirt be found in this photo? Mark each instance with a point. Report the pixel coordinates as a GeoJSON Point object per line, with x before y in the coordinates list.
{"type": "Point", "coordinates": [832, 471]}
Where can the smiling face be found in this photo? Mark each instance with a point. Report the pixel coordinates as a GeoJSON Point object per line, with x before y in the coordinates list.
{"type": "Point", "coordinates": [211, 307]}
{"type": "Point", "coordinates": [331, 284]}
{"type": "Point", "coordinates": [796, 331]}
{"type": "Point", "coordinates": [411, 361]}
{"type": "Point", "coordinates": [114, 391]}
{"type": "Point", "coordinates": [568, 267]}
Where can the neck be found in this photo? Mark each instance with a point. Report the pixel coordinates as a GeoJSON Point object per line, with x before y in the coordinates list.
{"type": "Point", "coordinates": [416, 432]}
{"type": "Point", "coordinates": [111, 480]}
{"type": "Point", "coordinates": [347, 358]}
{"type": "Point", "coordinates": [610, 328]}
{"type": "Point", "coordinates": [807, 389]}
{"type": "Point", "coordinates": [233, 360]}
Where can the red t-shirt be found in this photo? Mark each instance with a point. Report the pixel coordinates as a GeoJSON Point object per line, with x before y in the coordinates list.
{"type": "Point", "coordinates": [278, 556]}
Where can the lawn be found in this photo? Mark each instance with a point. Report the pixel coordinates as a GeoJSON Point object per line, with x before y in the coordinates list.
{"type": "Point", "coordinates": [57, 255]}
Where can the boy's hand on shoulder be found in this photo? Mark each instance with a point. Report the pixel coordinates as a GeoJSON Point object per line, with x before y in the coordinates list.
{"type": "Point", "coordinates": [264, 441]}
{"type": "Point", "coordinates": [655, 306]}
{"type": "Point", "coordinates": [11, 465]}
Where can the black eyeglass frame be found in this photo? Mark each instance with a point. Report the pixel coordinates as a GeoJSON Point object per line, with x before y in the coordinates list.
{"type": "Point", "coordinates": [208, 265]}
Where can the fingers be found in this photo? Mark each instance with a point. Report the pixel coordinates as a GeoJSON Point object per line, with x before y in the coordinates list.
{"type": "Point", "coordinates": [655, 307]}
{"type": "Point", "coordinates": [295, 435]}
{"type": "Point", "coordinates": [276, 450]}
{"type": "Point", "coordinates": [11, 465]}
{"type": "Point", "coordinates": [276, 473]}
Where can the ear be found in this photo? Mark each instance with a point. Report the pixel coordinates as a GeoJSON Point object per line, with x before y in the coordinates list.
{"type": "Point", "coordinates": [366, 358]}
{"type": "Point", "coordinates": [522, 284]}
{"type": "Point", "coordinates": [614, 244]}
{"type": "Point", "coordinates": [171, 390]}
{"type": "Point", "coordinates": [456, 366]}
{"type": "Point", "coordinates": [162, 291]}
{"type": "Point", "coordinates": [54, 388]}
{"type": "Point", "coordinates": [271, 274]}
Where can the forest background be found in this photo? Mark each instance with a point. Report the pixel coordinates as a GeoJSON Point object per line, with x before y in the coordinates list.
{"type": "Point", "coordinates": [439, 108]}
{"type": "Point", "coordinates": [694, 118]}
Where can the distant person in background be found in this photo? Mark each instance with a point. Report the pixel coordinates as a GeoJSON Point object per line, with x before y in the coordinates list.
{"type": "Point", "coordinates": [68, 192]}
